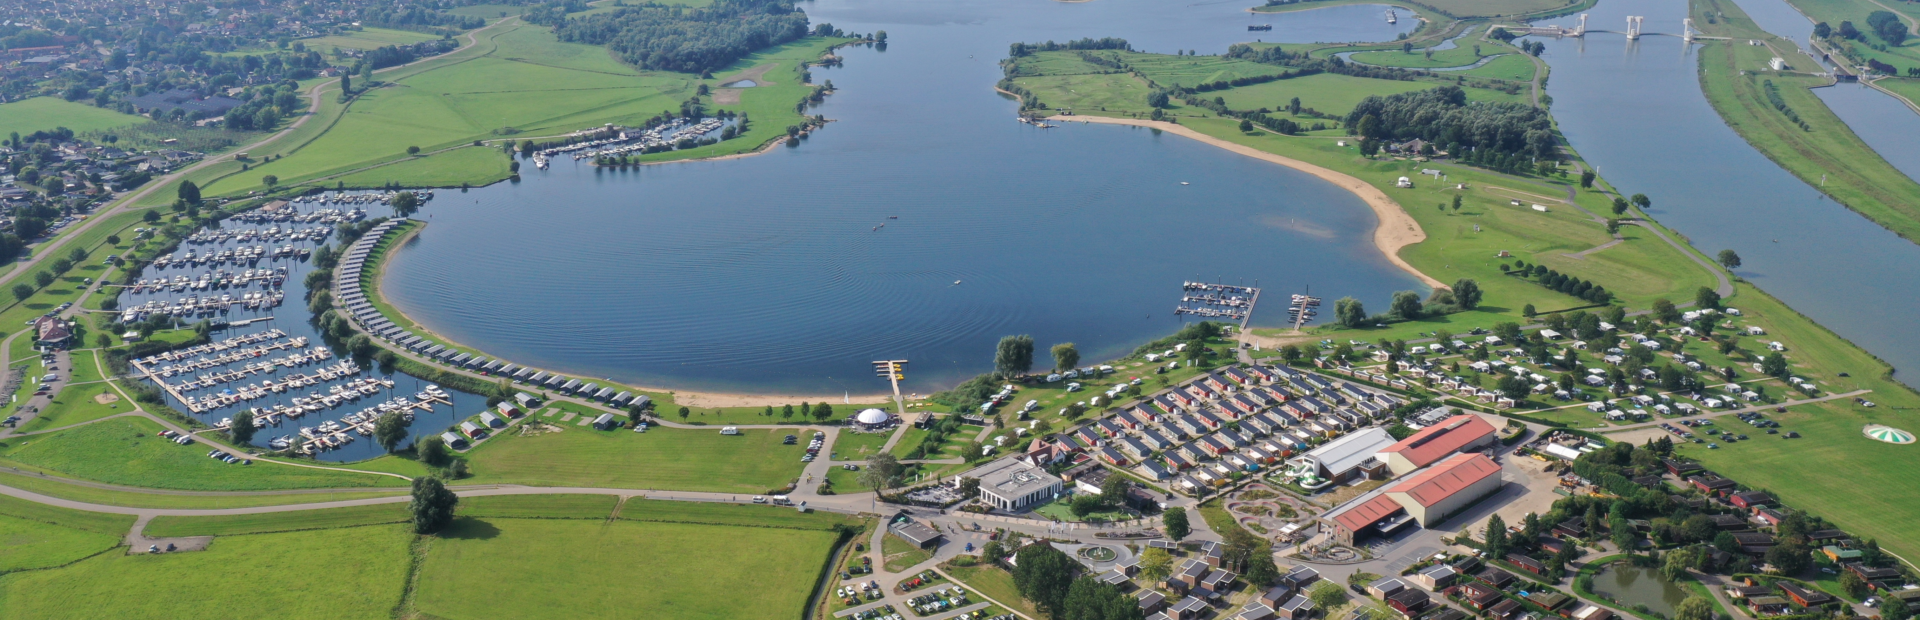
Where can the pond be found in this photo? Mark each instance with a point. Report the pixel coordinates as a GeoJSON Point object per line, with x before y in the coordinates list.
{"type": "Point", "coordinates": [1633, 585]}
{"type": "Point", "coordinates": [740, 84]}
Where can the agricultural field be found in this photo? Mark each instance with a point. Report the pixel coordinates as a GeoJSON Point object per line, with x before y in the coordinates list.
{"type": "Point", "coordinates": [38, 536]}
{"type": "Point", "coordinates": [367, 39]}
{"type": "Point", "coordinates": [127, 451]}
{"type": "Point", "coordinates": [349, 573]}
{"type": "Point", "coordinates": [46, 113]}
{"type": "Point", "coordinates": [662, 458]}
{"type": "Point", "coordinates": [619, 569]}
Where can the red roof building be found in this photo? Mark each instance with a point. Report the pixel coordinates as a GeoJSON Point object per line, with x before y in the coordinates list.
{"type": "Point", "coordinates": [1433, 494]}
{"type": "Point", "coordinates": [1455, 434]}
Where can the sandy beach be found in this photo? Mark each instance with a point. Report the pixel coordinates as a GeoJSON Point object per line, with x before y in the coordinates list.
{"type": "Point", "coordinates": [1397, 229]}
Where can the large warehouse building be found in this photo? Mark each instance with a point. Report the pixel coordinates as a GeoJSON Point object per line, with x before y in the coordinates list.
{"type": "Point", "coordinates": [1427, 497]}
{"type": "Point", "coordinates": [1459, 433]}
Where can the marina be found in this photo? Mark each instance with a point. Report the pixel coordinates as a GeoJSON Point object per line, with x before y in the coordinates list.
{"type": "Point", "coordinates": [304, 394]}
{"type": "Point", "coordinates": [1217, 301]}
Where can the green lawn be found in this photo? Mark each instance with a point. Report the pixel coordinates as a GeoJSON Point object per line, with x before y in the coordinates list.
{"type": "Point", "coordinates": [512, 506]}
{"type": "Point", "coordinates": [350, 574]}
{"type": "Point", "coordinates": [852, 446]}
{"type": "Point", "coordinates": [126, 451]}
{"type": "Point", "coordinates": [1457, 57]}
{"type": "Point", "coordinates": [46, 113]}
{"type": "Point", "coordinates": [618, 569]}
{"type": "Point", "coordinates": [663, 458]}
{"type": "Point", "coordinates": [1831, 437]}
{"type": "Point", "coordinates": [39, 536]}
{"type": "Point", "coordinates": [992, 581]}
{"type": "Point", "coordinates": [1516, 67]}
{"type": "Point", "coordinates": [897, 555]}
{"type": "Point", "coordinates": [62, 490]}
{"type": "Point", "coordinates": [464, 165]}
{"type": "Point", "coordinates": [749, 515]}
{"type": "Point", "coordinates": [366, 39]}
{"type": "Point", "coordinates": [78, 404]}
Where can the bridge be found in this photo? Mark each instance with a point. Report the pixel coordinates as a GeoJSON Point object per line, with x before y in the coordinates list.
{"type": "Point", "coordinates": [1633, 32]}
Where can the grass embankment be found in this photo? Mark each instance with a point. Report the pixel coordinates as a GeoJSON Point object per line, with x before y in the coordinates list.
{"type": "Point", "coordinates": [508, 506]}
{"type": "Point", "coordinates": [40, 536]}
{"type": "Point", "coordinates": [1826, 153]}
{"type": "Point", "coordinates": [668, 459]}
{"type": "Point", "coordinates": [48, 113]}
{"type": "Point", "coordinates": [1638, 270]}
{"type": "Point", "coordinates": [127, 451]}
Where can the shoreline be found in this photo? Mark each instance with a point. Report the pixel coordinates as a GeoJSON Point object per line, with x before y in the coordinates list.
{"type": "Point", "coordinates": [1396, 230]}
{"type": "Point", "coordinates": [690, 399]}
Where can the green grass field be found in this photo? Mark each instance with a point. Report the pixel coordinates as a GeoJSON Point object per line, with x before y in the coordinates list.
{"type": "Point", "coordinates": [366, 39]}
{"type": "Point", "coordinates": [518, 76]}
{"type": "Point", "coordinates": [1456, 57]}
{"type": "Point", "coordinates": [896, 555]}
{"type": "Point", "coordinates": [40, 536]}
{"type": "Point", "coordinates": [746, 515]}
{"type": "Point", "coordinates": [1831, 437]}
{"type": "Point", "coordinates": [77, 404]}
{"type": "Point", "coordinates": [349, 574]}
{"type": "Point", "coordinates": [126, 451]}
{"type": "Point", "coordinates": [55, 488]}
{"type": "Point", "coordinates": [1513, 67]}
{"type": "Point", "coordinates": [993, 582]}
{"type": "Point", "coordinates": [851, 446]}
{"type": "Point", "coordinates": [46, 113]}
{"type": "Point", "coordinates": [271, 522]}
{"type": "Point", "coordinates": [671, 459]}
{"type": "Point", "coordinates": [618, 569]}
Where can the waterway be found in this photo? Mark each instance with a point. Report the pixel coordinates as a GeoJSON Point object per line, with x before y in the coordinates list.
{"type": "Point", "coordinates": [773, 274]}
{"type": "Point", "coordinates": [1635, 110]}
{"type": "Point", "coordinates": [292, 319]}
{"type": "Point", "coordinates": [1633, 585]}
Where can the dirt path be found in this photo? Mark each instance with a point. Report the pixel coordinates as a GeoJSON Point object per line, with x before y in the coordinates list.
{"type": "Point", "coordinates": [1397, 229]}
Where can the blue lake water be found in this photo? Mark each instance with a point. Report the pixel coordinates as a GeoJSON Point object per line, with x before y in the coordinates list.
{"type": "Point", "coordinates": [766, 274]}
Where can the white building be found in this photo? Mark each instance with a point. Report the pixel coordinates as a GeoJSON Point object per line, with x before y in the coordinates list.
{"type": "Point", "coordinates": [1012, 485]}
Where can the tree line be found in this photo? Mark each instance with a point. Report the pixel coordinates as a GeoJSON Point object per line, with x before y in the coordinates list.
{"type": "Point", "coordinates": [1018, 50]}
{"type": "Point", "coordinates": [674, 38]}
{"type": "Point", "coordinates": [1561, 282]}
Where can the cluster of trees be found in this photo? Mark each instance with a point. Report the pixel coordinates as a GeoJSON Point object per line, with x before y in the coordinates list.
{"type": "Point", "coordinates": [673, 38]}
{"type": "Point", "coordinates": [401, 16]}
{"type": "Point", "coordinates": [1888, 27]}
{"type": "Point", "coordinates": [45, 277]}
{"type": "Point", "coordinates": [266, 108]}
{"type": "Point", "coordinates": [1407, 306]}
{"type": "Point", "coordinates": [1562, 282]}
{"type": "Point", "coordinates": [396, 55]}
{"type": "Point", "coordinates": [1018, 50]}
{"type": "Point", "coordinates": [1046, 576]}
{"type": "Point", "coordinates": [1444, 116]}
{"type": "Point", "coordinates": [1773, 97]}
{"type": "Point", "coordinates": [1309, 65]}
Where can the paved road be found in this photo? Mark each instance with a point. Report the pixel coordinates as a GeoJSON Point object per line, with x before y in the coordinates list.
{"type": "Point", "coordinates": [1716, 414]}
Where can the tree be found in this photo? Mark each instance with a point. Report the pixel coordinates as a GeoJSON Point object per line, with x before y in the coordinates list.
{"type": "Point", "coordinates": [22, 291]}
{"type": "Point", "coordinates": [433, 451]}
{"type": "Point", "coordinates": [1466, 293]}
{"type": "Point", "coordinates": [1821, 30]}
{"type": "Point", "coordinates": [1729, 259]}
{"type": "Point", "coordinates": [684, 412]}
{"type": "Point", "coordinates": [1706, 298]}
{"type": "Point", "coordinates": [1496, 537]}
{"type": "Point", "coordinates": [405, 204]}
{"type": "Point", "coordinates": [1406, 304]}
{"type": "Point", "coordinates": [1065, 357]}
{"type": "Point", "coordinates": [1043, 575]}
{"type": "Point", "coordinates": [1641, 200]}
{"type": "Point", "coordinates": [1586, 178]}
{"type": "Point", "coordinates": [1853, 584]}
{"type": "Point", "coordinates": [822, 411]}
{"type": "Point", "coordinates": [1083, 505]}
{"type": "Point", "coordinates": [882, 472]}
{"type": "Point", "coordinates": [1791, 557]}
{"type": "Point", "coordinates": [391, 429]}
{"type": "Point", "coordinates": [346, 84]}
{"type": "Point", "coordinates": [1456, 203]}
{"type": "Point", "coordinates": [637, 414]}
{"type": "Point", "coordinates": [1261, 571]}
{"type": "Point", "coordinates": [1014, 356]}
{"type": "Point", "coordinates": [189, 192]}
{"type": "Point", "coordinates": [1349, 312]}
{"type": "Point", "coordinates": [1676, 564]}
{"type": "Point", "coordinates": [1156, 564]}
{"type": "Point", "coordinates": [1113, 492]}
{"type": "Point", "coordinates": [1175, 521]}
{"type": "Point", "coordinates": [1694, 608]}
{"type": "Point", "coordinates": [242, 428]}
{"type": "Point", "coordinates": [1246, 126]}
{"type": "Point", "coordinates": [786, 412]}
{"type": "Point", "coordinates": [270, 180]}
{"type": "Point", "coordinates": [43, 278]}
{"type": "Point", "coordinates": [1326, 595]}
{"type": "Point", "coordinates": [969, 487]}
{"type": "Point", "coordinates": [432, 505]}
{"type": "Point", "coordinates": [1619, 206]}
{"type": "Point", "coordinates": [1665, 311]}
{"type": "Point", "coordinates": [1090, 599]}
{"type": "Point", "coordinates": [413, 150]}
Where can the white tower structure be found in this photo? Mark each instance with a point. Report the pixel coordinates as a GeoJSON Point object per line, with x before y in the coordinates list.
{"type": "Point", "coordinates": [1581, 30]}
{"type": "Point", "coordinates": [1686, 30]}
{"type": "Point", "coordinates": [1633, 27]}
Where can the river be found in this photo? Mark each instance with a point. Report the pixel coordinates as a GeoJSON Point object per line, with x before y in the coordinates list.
{"type": "Point", "coordinates": [768, 275]}
{"type": "Point", "coordinates": [1636, 112]}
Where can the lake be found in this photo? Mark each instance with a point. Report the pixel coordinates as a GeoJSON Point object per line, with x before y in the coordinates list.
{"type": "Point", "coordinates": [772, 274]}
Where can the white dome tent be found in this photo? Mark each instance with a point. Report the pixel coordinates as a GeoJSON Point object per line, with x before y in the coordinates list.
{"type": "Point", "coordinates": [872, 418]}
{"type": "Point", "coordinates": [1888, 434]}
